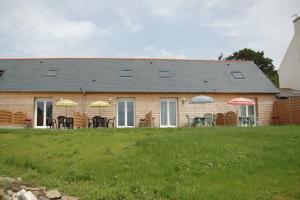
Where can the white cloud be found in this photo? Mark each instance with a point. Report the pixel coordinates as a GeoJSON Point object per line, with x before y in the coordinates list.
{"type": "Point", "coordinates": [129, 26]}
{"type": "Point", "coordinates": [199, 28]}
{"type": "Point", "coordinates": [34, 29]}
{"type": "Point", "coordinates": [127, 22]}
{"type": "Point", "coordinates": [263, 25]}
{"type": "Point", "coordinates": [169, 9]}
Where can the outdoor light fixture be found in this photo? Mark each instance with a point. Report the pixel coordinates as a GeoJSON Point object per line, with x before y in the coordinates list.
{"type": "Point", "coordinates": [109, 99]}
{"type": "Point", "coordinates": [183, 100]}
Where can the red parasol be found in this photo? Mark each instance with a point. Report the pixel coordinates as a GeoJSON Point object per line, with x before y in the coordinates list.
{"type": "Point", "coordinates": [241, 101]}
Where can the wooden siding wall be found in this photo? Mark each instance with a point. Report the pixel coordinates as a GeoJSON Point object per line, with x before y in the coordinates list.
{"type": "Point", "coordinates": [144, 103]}
{"type": "Point", "coordinates": [287, 111]}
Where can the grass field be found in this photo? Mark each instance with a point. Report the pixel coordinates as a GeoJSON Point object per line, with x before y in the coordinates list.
{"type": "Point", "coordinates": [205, 163]}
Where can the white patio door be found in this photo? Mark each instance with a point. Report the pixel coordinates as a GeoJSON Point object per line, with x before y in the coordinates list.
{"type": "Point", "coordinates": [43, 112]}
{"type": "Point", "coordinates": [125, 113]}
{"type": "Point", "coordinates": [248, 111]}
{"type": "Point", "coordinates": [168, 113]}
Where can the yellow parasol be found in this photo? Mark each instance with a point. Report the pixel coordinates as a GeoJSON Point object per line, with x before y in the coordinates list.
{"type": "Point", "coordinates": [99, 104]}
{"type": "Point", "coordinates": [66, 103]}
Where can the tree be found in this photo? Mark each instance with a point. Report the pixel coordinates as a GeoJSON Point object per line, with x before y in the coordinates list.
{"type": "Point", "coordinates": [264, 64]}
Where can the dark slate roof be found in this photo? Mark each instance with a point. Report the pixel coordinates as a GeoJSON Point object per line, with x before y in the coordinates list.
{"type": "Point", "coordinates": [103, 75]}
{"type": "Point", "coordinates": [287, 92]}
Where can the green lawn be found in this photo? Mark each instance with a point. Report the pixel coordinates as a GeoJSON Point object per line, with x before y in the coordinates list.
{"type": "Point", "coordinates": [204, 163]}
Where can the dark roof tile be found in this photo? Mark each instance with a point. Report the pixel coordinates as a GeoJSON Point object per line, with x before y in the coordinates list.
{"type": "Point", "coordinates": [185, 75]}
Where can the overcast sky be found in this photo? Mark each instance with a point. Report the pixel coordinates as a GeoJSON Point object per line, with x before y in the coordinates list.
{"type": "Point", "coordinates": [145, 28]}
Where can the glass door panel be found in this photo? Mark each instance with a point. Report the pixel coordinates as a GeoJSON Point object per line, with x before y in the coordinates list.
{"type": "Point", "coordinates": [130, 113]}
{"type": "Point", "coordinates": [251, 111]}
{"type": "Point", "coordinates": [243, 111]}
{"type": "Point", "coordinates": [164, 113]}
{"type": "Point", "coordinates": [121, 113]}
{"type": "Point", "coordinates": [43, 112]}
{"type": "Point", "coordinates": [172, 113]}
{"type": "Point", "coordinates": [125, 113]}
{"type": "Point", "coordinates": [248, 111]}
{"type": "Point", "coordinates": [168, 113]}
{"type": "Point", "coordinates": [49, 108]}
{"type": "Point", "coordinates": [40, 114]}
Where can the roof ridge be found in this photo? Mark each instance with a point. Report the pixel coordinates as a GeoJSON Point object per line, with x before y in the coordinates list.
{"type": "Point", "coordinates": [123, 58]}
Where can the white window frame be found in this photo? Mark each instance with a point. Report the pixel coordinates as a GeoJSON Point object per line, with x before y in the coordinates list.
{"type": "Point", "coordinates": [45, 111]}
{"type": "Point", "coordinates": [168, 100]}
{"type": "Point", "coordinates": [247, 112]}
{"type": "Point", "coordinates": [125, 100]}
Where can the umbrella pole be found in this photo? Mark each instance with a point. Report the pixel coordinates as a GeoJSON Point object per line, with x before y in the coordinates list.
{"type": "Point", "coordinates": [99, 111]}
{"type": "Point", "coordinates": [237, 118]}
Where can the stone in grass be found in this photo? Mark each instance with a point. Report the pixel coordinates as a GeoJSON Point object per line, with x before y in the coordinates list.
{"type": "Point", "coordinates": [37, 193]}
{"type": "Point", "coordinates": [26, 195]}
{"type": "Point", "coordinates": [69, 198]}
{"type": "Point", "coordinates": [52, 194]}
{"type": "Point", "coordinates": [7, 197]}
{"type": "Point", "coordinates": [15, 186]}
{"type": "Point", "coordinates": [2, 193]}
{"type": "Point", "coordinates": [33, 188]}
{"type": "Point", "coordinates": [43, 198]}
{"type": "Point", "coordinates": [6, 179]}
{"type": "Point", "coordinates": [6, 182]}
{"type": "Point", "coordinates": [9, 192]}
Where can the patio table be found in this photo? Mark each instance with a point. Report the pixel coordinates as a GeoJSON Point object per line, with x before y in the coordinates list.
{"type": "Point", "coordinates": [246, 121]}
{"type": "Point", "coordinates": [199, 121]}
{"type": "Point", "coordinates": [99, 122]}
{"type": "Point", "coordinates": [66, 122]}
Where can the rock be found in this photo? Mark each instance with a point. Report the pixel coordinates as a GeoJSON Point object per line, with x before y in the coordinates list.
{"type": "Point", "coordinates": [32, 188]}
{"type": "Point", "coordinates": [29, 184]}
{"type": "Point", "coordinates": [15, 197]}
{"type": "Point", "coordinates": [2, 193]}
{"type": "Point", "coordinates": [15, 189]}
{"type": "Point", "coordinates": [69, 198]}
{"type": "Point", "coordinates": [30, 196]}
{"type": "Point", "coordinates": [15, 186]}
{"type": "Point", "coordinates": [9, 192]}
{"type": "Point", "coordinates": [43, 189]}
{"type": "Point", "coordinates": [6, 179]}
{"type": "Point", "coordinates": [43, 198]}
{"type": "Point", "coordinates": [7, 197]}
{"type": "Point", "coordinates": [18, 179]}
{"type": "Point", "coordinates": [6, 182]}
{"type": "Point", "coordinates": [26, 195]}
{"type": "Point", "coordinates": [37, 193]}
{"type": "Point", "coordinates": [52, 194]}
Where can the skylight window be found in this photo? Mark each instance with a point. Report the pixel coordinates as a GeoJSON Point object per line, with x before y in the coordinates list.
{"type": "Point", "coordinates": [237, 75]}
{"type": "Point", "coordinates": [126, 73]}
{"type": "Point", "coordinates": [52, 73]}
{"type": "Point", "coordinates": [164, 73]}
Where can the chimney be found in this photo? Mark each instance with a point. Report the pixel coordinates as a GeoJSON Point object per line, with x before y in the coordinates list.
{"type": "Point", "coordinates": [297, 24]}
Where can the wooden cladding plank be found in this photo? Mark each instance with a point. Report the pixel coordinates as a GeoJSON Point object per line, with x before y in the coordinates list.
{"type": "Point", "coordinates": [288, 111]}
{"type": "Point", "coordinates": [5, 117]}
{"type": "Point", "coordinates": [9, 118]}
{"type": "Point", "coordinates": [80, 120]}
{"type": "Point", "coordinates": [19, 118]}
